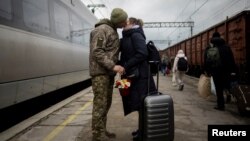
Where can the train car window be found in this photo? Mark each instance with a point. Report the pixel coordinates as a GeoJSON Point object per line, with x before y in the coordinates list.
{"type": "Point", "coordinates": [5, 9]}
{"type": "Point", "coordinates": [61, 21]}
{"type": "Point", "coordinates": [36, 14]}
{"type": "Point", "coordinates": [77, 32]}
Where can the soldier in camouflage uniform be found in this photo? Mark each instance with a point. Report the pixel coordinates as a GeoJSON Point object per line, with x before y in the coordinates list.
{"type": "Point", "coordinates": [104, 52]}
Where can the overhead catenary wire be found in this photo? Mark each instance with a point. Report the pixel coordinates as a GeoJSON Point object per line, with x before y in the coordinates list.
{"type": "Point", "coordinates": [186, 5]}
{"type": "Point", "coordinates": [227, 6]}
{"type": "Point", "coordinates": [198, 9]}
{"type": "Point", "coordinates": [190, 9]}
{"type": "Point", "coordinates": [190, 16]}
{"type": "Point", "coordinates": [218, 12]}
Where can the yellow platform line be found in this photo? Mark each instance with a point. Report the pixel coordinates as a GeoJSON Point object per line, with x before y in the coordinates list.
{"type": "Point", "coordinates": [70, 118]}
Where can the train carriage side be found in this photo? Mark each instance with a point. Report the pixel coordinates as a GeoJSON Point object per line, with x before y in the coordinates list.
{"type": "Point", "coordinates": [44, 47]}
{"type": "Point", "coordinates": [238, 34]}
{"type": "Point", "coordinates": [204, 40]}
{"type": "Point", "coordinates": [183, 46]}
{"type": "Point", "coordinates": [198, 52]}
{"type": "Point", "coordinates": [188, 54]}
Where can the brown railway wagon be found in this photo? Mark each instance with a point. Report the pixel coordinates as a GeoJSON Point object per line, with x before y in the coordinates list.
{"type": "Point", "coordinates": [235, 31]}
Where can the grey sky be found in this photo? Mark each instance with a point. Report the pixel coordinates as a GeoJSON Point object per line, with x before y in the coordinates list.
{"type": "Point", "coordinates": [204, 13]}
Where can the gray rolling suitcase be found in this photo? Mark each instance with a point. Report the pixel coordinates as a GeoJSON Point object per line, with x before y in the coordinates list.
{"type": "Point", "coordinates": [157, 117]}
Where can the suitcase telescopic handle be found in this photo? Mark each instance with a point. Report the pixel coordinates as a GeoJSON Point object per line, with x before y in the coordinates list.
{"type": "Point", "coordinates": [157, 74]}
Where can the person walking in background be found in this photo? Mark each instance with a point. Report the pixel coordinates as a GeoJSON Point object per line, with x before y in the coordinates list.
{"type": "Point", "coordinates": [169, 66]}
{"type": "Point", "coordinates": [134, 56]}
{"type": "Point", "coordinates": [180, 68]}
{"type": "Point", "coordinates": [219, 63]}
{"type": "Point", "coordinates": [172, 70]}
{"type": "Point", "coordinates": [104, 52]}
{"type": "Point", "coordinates": [164, 62]}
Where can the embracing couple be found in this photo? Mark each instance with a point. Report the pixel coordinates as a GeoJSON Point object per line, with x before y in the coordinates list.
{"type": "Point", "coordinates": [105, 47]}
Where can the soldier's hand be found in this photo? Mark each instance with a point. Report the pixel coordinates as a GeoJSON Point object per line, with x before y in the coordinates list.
{"type": "Point", "coordinates": [118, 69]}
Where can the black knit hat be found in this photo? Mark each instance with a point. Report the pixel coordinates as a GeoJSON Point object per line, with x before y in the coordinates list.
{"type": "Point", "coordinates": [216, 34]}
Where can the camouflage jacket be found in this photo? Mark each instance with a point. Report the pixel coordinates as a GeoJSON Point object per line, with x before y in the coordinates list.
{"type": "Point", "coordinates": [104, 49]}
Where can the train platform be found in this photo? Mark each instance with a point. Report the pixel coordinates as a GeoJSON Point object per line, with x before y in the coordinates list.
{"type": "Point", "coordinates": [71, 120]}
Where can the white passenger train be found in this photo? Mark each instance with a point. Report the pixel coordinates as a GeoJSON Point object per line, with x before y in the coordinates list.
{"type": "Point", "coordinates": [44, 46]}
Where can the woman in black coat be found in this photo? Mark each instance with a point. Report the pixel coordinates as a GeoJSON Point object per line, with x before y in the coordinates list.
{"type": "Point", "coordinates": [134, 56]}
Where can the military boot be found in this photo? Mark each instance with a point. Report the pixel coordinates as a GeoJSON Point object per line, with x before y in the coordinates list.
{"type": "Point", "coordinates": [101, 137]}
{"type": "Point", "coordinates": [110, 134]}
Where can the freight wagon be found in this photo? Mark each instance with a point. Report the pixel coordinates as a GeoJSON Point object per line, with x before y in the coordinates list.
{"type": "Point", "coordinates": [235, 31]}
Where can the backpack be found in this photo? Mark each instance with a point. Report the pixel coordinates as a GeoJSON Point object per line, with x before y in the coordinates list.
{"type": "Point", "coordinates": [182, 64]}
{"type": "Point", "coordinates": [154, 57]}
{"type": "Point", "coordinates": [213, 57]}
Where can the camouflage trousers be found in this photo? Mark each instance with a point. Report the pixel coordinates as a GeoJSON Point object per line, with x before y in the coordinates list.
{"type": "Point", "coordinates": [102, 86]}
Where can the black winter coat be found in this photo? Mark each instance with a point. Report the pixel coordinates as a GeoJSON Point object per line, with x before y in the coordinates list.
{"type": "Point", "coordinates": [134, 53]}
{"type": "Point", "coordinates": [227, 66]}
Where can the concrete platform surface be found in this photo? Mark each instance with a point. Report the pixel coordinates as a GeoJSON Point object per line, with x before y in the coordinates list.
{"type": "Point", "coordinates": [193, 114]}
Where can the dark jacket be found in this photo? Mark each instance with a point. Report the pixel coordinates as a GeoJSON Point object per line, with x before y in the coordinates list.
{"type": "Point", "coordinates": [134, 53]}
{"type": "Point", "coordinates": [133, 50]}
